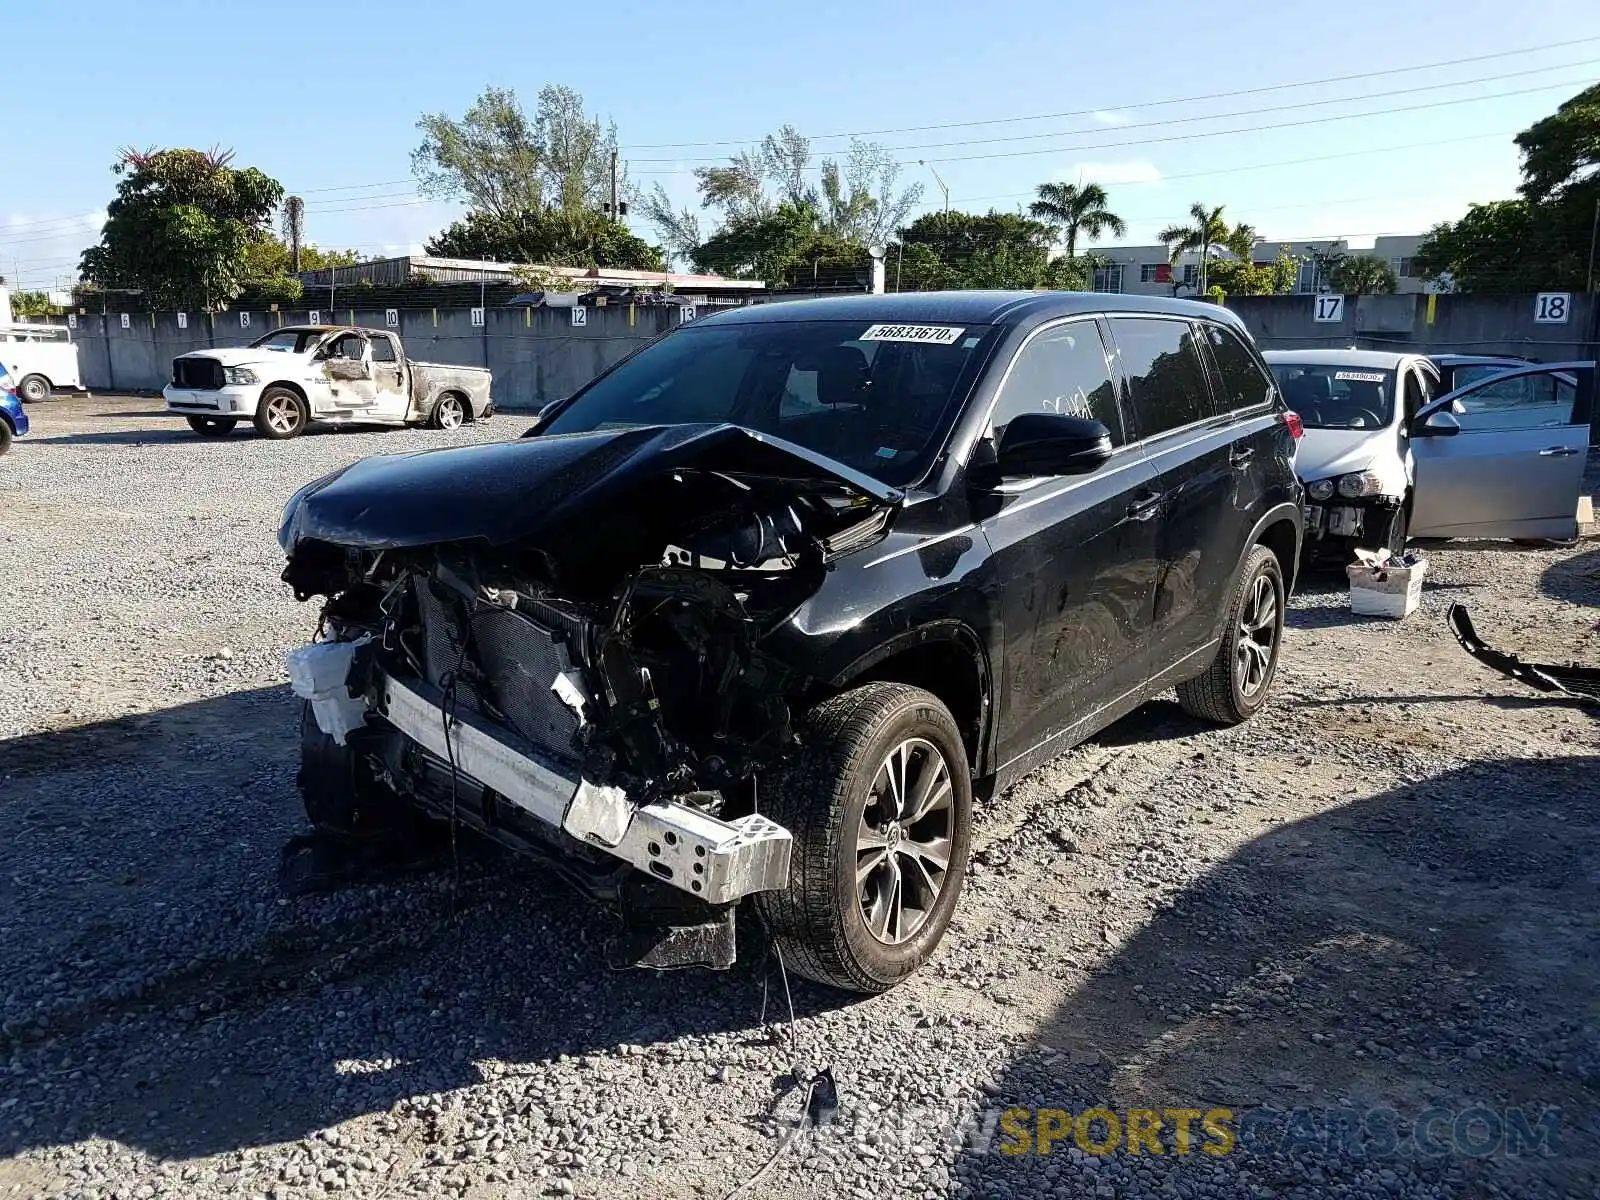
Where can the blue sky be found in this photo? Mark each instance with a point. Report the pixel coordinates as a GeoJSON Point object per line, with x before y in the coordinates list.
{"type": "Point", "coordinates": [325, 99]}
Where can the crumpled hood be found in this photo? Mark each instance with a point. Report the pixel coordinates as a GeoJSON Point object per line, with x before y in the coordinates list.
{"type": "Point", "coordinates": [1323, 453]}
{"type": "Point", "coordinates": [241, 356]}
{"type": "Point", "coordinates": [507, 491]}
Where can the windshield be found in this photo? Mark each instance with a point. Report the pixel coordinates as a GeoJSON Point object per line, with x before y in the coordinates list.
{"type": "Point", "coordinates": [1328, 396]}
{"type": "Point", "coordinates": [872, 396]}
{"type": "Point", "coordinates": [295, 341]}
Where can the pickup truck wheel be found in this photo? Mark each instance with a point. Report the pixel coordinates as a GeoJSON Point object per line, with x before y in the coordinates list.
{"type": "Point", "coordinates": [879, 802]}
{"type": "Point", "coordinates": [281, 414]}
{"type": "Point", "coordinates": [33, 389]}
{"type": "Point", "coordinates": [449, 412]}
{"type": "Point", "coordinates": [212, 426]}
{"type": "Point", "coordinates": [1236, 684]}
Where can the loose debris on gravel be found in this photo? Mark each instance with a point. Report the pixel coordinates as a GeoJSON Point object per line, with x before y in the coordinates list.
{"type": "Point", "coordinates": [1379, 897]}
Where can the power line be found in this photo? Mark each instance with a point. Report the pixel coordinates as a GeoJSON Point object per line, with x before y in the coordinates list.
{"type": "Point", "coordinates": [1088, 112]}
{"type": "Point", "coordinates": [1223, 116]}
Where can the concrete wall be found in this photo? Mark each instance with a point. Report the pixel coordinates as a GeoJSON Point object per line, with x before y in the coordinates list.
{"type": "Point", "coordinates": [1476, 324]}
{"type": "Point", "coordinates": [537, 355]}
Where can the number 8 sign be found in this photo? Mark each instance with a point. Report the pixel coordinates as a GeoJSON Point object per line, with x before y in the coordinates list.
{"type": "Point", "coordinates": [1552, 308]}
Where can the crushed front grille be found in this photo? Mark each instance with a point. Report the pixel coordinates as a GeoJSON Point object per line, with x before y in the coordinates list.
{"type": "Point", "coordinates": [506, 672]}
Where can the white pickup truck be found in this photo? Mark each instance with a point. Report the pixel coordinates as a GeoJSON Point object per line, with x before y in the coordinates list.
{"type": "Point", "coordinates": [292, 376]}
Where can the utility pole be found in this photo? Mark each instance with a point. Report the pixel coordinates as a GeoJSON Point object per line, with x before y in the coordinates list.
{"type": "Point", "coordinates": [294, 225]}
{"type": "Point", "coordinates": [1594, 228]}
{"type": "Point", "coordinates": [614, 211]}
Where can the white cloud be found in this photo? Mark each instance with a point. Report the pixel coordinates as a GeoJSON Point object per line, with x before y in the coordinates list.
{"type": "Point", "coordinates": [1138, 170]}
{"type": "Point", "coordinates": [1110, 116]}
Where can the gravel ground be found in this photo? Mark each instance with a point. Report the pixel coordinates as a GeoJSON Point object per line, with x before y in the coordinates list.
{"type": "Point", "coordinates": [1377, 899]}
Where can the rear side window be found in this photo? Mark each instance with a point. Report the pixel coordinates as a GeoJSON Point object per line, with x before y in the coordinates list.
{"type": "Point", "coordinates": [1062, 370]}
{"type": "Point", "coordinates": [1166, 374]}
{"type": "Point", "coordinates": [1244, 383]}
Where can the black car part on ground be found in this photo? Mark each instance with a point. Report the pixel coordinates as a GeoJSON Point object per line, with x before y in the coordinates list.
{"type": "Point", "coordinates": [1572, 680]}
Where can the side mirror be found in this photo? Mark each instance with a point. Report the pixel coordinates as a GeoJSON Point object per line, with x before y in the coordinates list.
{"type": "Point", "coordinates": [1438, 424]}
{"type": "Point", "coordinates": [1049, 444]}
{"type": "Point", "coordinates": [542, 418]}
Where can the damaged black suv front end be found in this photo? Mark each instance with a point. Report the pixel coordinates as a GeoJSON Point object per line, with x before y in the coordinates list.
{"type": "Point", "coordinates": [558, 642]}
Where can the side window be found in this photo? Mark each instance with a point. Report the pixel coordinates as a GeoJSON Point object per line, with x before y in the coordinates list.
{"type": "Point", "coordinates": [1526, 402]}
{"type": "Point", "coordinates": [382, 349]}
{"type": "Point", "coordinates": [1244, 384]}
{"type": "Point", "coordinates": [1412, 395]}
{"type": "Point", "coordinates": [1062, 370]}
{"type": "Point", "coordinates": [1165, 373]}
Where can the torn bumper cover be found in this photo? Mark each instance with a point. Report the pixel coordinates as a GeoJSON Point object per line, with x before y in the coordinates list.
{"type": "Point", "coordinates": [714, 860]}
{"type": "Point", "coordinates": [1572, 680]}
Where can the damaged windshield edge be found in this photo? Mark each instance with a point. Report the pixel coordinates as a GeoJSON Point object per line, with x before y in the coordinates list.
{"type": "Point", "coordinates": [290, 341]}
{"type": "Point", "coordinates": [1328, 396]}
{"type": "Point", "coordinates": [876, 397]}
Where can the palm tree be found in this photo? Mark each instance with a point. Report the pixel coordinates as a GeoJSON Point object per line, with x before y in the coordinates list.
{"type": "Point", "coordinates": [1068, 208]}
{"type": "Point", "coordinates": [1208, 234]}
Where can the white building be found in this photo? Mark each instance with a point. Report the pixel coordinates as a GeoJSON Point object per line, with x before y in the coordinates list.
{"type": "Point", "coordinates": [1148, 270]}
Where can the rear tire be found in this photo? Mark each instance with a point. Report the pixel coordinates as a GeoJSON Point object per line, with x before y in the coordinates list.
{"type": "Point", "coordinates": [868, 899]}
{"type": "Point", "coordinates": [281, 414]}
{"type": "Point", "coordinates": [449, 412]}
{"type": "Point", "coordinates": [33, 389]}
{"type": "Point", "coordinates": [1235, 685]}
{"type": "Point", "coordinates": [212, 427]}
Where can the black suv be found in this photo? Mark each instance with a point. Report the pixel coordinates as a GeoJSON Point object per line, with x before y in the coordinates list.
{"type": "Point", "coordinates": [762, 609]}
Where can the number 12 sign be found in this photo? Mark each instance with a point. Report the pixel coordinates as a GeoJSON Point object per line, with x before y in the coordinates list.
{"type": "Point", "coordinates": [1329, 307]}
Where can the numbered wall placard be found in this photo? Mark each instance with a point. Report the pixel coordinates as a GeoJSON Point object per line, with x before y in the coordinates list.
{"type": "Point", "coordinates": [183, 320]}
{"type": "Point", "coordinates": [477, 316]}
{"type": "Point", "coordinates": [126, 321]}
{"type": "Point", "coordinates": [391, 318]}
{"type": "Point", "coordinates": [580, 316]}
{"type": "Point", "coordinates": [316, 316]}
{"type": "Point", "coordinates": [685, 313]}
{"type": "Point", "coordinates": [244, 320]}
{"type": "Point", "coordinates": [72, 320]}
{"type": "Point", "coordinates": [1552, 308]}
{"type": "Point", "coordinates": [1327, 307]}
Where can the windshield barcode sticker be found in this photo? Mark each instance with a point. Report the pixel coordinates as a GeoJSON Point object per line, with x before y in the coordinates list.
{"type": "Point", "coordinates": [1360, 376]}
{"type": "Point", "coordinates": [933, 335]}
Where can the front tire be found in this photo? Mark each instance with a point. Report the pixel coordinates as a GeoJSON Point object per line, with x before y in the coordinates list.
{"type": "Point", "coordinates": [6, 436]}
{"type": "Point", "coordinates": [339, 789]}
{"type": "Point", "coordinates": [33, 389]}
{"type": "Point", "coordinates": [212, 427]}
{"type": "Point", "coordinates": [879, 802]}
{"type": "Point", "coordinates": [1235, 685]}
{"type": "Point", "coordinates": [281, 414]}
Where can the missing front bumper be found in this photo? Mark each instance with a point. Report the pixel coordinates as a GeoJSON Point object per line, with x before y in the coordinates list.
{"type": "Point", "coordinates": [711, 859]}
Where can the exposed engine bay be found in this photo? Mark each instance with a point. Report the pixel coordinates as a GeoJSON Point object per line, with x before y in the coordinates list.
{"type": "Point", "coordinates": [606, 681]}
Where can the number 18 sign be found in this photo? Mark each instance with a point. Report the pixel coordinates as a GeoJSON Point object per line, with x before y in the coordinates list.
{"type": "Point", "coordinates": [1552, 308]}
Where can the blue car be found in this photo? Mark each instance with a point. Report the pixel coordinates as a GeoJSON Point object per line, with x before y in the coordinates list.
{"type": "Point", "coordinates": [13, 421]}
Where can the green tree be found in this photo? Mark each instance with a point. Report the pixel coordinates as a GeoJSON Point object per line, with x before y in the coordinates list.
{"type": "Point", "coordinates": [500, 162]}
{"type": "Point", "coordinates": [1364, 275]}
{"type": "Point", "coordinates": [943, 250]}
{"type": "Point", "coordinates": [181, 227]}
{"type": "Point", "coordinates": [1207, 234]}
{"type": "Point", "coordinates": [1545, 239]}
{"type": "Point", "coordinates": [547, 236]}
{"type": "Point", "coordinates": [1242, 277]}
{"type": "Point", "coordinates": [31, 304]}
{"type": "Point", "coordinates": [270, 258]}
{"type": "Point", "coordinates": [1069, 209]}
{"type": "Point", "coordinates": [784, 247]}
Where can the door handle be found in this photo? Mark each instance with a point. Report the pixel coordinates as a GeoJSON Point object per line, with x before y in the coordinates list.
{"type": "Point", "coordinates": [1557, 452]}
{"type": "Point", "coordinates": [1145, 505]}
{"type": "Point", "coordinates": [1240, 455]}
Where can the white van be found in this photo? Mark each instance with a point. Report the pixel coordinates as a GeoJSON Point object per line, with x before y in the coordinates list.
{"type": "Point", "coordinates": [41, 358]}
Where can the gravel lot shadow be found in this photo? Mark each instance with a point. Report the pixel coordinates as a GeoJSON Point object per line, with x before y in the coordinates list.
{"type": "Point", "coordinates": [182, 433]}
{"type": "Point", "coordinates": [157, 991]}
{"type": "Point", "coordinates": [1575, 580]}
{"type": "Point", "coordinates": [1366, 959]}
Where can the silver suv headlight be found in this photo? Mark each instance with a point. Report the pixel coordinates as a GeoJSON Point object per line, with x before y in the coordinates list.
{"type": "Point", "coordinates": [1320, 489]}
{"type": "Point", "coordinates": [237, 375]}
{"type": "Point", "coordinates": [1360, 483]}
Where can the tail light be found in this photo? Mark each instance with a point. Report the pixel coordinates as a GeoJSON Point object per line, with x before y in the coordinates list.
{"type": "Point", "coordinates": [1296, 426]}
